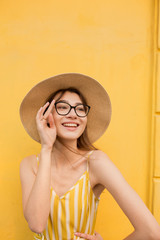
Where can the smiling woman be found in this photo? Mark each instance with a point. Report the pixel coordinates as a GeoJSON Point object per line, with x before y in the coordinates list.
{"type": "Point", "coordinates": [61, 187]}
{"type": "Point", "coordinates": [81, 109]}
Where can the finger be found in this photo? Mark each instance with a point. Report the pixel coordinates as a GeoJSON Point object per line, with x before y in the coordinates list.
{"type": "Point", "coordinates": [48, 111]}
{"type": "Point", "coordinates": [53, 102]}
{"type": "Point", "coordinates": [41, 110]}
{"type": "Point", "coordinates": [39, 114]}
{"type": "Point", "coordinates": [51, 120]}
{"type": "Point", "coordinates": [85, 236]}
{"type": "Point", "coordinates": [98, 235]}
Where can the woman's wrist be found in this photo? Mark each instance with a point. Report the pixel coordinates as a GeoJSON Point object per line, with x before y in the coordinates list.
{"type": "Point", "coordinates": [46, 149]}
{"type": "Point", "coordinates": [45, 154]}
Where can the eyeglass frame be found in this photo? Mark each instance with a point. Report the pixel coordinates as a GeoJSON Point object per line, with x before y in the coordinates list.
{"type": "Point", "coordinates": [74, 107]}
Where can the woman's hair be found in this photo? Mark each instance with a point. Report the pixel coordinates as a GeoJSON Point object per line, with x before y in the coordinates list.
{"type": "Point", "coordinates": [83, 141]}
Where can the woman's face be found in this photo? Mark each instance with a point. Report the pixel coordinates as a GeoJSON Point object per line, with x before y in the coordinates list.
{"type": "Point", "coordinates": [69, 126]}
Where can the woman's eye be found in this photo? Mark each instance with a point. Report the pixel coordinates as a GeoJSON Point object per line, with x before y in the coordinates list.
{"type": "Point", "coordinates": [61, 107]}
{"type": "Point", "coordinates": [81, 109]}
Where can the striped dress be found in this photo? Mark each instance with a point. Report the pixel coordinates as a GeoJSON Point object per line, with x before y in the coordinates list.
{"type": "Point", "coordinates": [75, 211]}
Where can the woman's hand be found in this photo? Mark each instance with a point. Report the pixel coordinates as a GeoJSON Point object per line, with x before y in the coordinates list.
{"type": "Point", "coordinates": [47, 133]}
{"type": "Point", "coordinates": [96, 236]}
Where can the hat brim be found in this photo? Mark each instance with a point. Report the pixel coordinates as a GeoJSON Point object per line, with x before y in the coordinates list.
{"type": "Point", "coordinates": [96, 96]}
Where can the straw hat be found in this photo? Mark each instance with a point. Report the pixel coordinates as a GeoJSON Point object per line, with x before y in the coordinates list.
{"type": "Point", "coordinates": [96, 96]}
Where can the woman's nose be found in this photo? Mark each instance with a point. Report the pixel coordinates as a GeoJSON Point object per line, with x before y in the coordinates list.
{"type": "Point", "coordinates": [72, 113]}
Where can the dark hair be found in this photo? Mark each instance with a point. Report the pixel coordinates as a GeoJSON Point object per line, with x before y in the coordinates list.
{"type": "Point", "coordinates": [83, 141]}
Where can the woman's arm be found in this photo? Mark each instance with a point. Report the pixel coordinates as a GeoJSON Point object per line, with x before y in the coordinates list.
{"type": "Point", "coordinates": [36, 189]}
{"type": "Point", "coordinates": [140, 236]}
{"type": "Point", "coordinates": [146, 227]}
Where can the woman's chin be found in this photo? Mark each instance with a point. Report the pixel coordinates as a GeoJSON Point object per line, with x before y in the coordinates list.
{"type": "Point", "coordinates": [70, 133]}
{"type": "Point", "coordinates": [70, 136]}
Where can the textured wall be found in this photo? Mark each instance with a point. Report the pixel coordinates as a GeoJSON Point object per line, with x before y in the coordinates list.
{"type": "Point", "coordinates": [155, 194]}
{"type": "Point", "coordinates": [111, 41]}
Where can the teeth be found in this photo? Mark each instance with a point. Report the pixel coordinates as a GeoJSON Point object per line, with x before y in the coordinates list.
{"type": "Point", "coordinates": [70, 124]}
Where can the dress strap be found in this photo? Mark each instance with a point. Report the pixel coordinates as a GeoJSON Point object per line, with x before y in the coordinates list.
{"type": "Point", "coordinates": [37, 160]}
{"type": "Point", "coordinates": [89, 154]}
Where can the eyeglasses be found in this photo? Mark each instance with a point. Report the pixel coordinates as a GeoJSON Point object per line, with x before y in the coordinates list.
{"type": "Point", "coordinates": [63, 108]}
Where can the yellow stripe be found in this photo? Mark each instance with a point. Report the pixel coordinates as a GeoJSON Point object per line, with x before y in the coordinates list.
{"type": "Point", "coordinates": [63, 218]}
{"type": "Point", "coordinates": [49, 225]}
{"type": "Point", "coordinates": [80, 203]}
{"type": "Point", "coordinates": [71, 211]}
{"type": "Point", "coordinates": [95, 214]}
{"type": "Point", "coordinates": [49, 228]}
{"type": "Point", "coordinates": [59, 220]}
{"type": "Point", "coordinates": [76, 206]}
{"type": "Point", "coordinates": [67, 216]}
{"type": "Point", "coordinates": [88, 212]}
{"type": "Point", "coordinates": [51, 213]}
{"type": "Point", "coordinates": [85, 205]}
{"type": "Point", "coordinates": [55, 216]}
{"type": "Point", "coordinates": [91, 212]}
{"type": "Point", "coordinates": [94, 221]}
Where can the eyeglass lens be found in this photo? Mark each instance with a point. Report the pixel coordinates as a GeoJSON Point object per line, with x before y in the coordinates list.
{"type": "Point", "coordinates": [64, 108]}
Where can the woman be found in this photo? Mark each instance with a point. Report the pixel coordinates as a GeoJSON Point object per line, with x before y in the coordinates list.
{"type": "Point", "coordinates": [62, 185]}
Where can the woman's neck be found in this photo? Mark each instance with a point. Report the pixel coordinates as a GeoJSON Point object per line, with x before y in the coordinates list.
{"type": "Point", "coordinates": [66, 146]}
{"type": "Point", "coordinates": [66, 153]}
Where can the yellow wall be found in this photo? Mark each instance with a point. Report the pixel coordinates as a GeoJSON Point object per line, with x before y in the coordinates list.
{"type": "Point", "coordinates": [155, 187]}
{"type": "Point", "coordinates": [112, 41]}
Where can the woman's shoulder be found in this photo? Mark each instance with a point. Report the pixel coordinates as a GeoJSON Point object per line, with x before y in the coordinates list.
{"type": "Point", "coordinates": [99, 155]}
{"type": "Point", "coordinates": [29, 162]}
{"type": "Point", "coordinates": [98, 163]}
{"type": "Point", "coordinates": [98, 159]}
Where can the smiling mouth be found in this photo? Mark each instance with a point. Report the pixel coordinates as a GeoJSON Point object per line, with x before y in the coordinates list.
{"type": "Point", "coordinates": [71, 125]}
